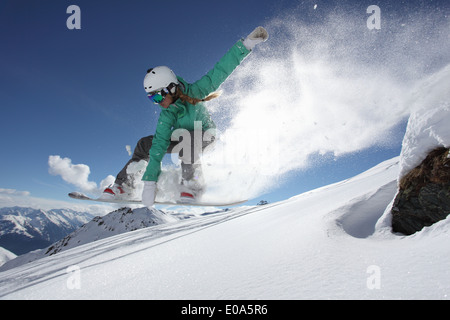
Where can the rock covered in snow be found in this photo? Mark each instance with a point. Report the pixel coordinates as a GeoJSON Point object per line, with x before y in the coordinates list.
{"type": "Point", "coordinates": [424, 194]}
{"type": "Point", "coordinates": [424, 181]}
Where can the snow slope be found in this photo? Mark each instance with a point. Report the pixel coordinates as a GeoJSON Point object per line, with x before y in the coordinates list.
{"type": "Point", "coordinates": [116, 222]}
{"type": "Point", "coordinates": [5, 256]}
{"type": "Point", "coordinates": [321, 244]}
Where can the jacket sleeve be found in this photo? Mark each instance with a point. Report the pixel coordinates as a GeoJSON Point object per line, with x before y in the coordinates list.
{"type": "Point", "coordinates": [221, 71]}
{"type": "Point", "coordinates": [161, 142]}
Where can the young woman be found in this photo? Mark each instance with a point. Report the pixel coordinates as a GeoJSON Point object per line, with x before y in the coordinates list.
{"type": "Point", "coordinates": [181, 108]}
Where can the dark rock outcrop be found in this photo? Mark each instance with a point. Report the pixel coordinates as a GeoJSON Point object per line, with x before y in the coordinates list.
{"type": "Point", "coordinates": [424, 194]}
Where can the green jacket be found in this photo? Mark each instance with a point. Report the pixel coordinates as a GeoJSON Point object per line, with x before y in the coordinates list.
{"type": "Point", "coordinates": [183, 114]}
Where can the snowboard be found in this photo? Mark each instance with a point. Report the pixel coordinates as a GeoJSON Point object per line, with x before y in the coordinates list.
{"type": "Point", "coordinates": [81, 196]}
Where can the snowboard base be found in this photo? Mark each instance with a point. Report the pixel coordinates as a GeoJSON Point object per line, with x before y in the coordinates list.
{"type": "Point", "coordinates": [81, 196]}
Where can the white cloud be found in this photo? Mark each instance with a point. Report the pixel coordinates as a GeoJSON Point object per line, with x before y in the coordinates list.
{"type": "Point", "coordinates": [128, 148]}
{"type": "Point", "coordinates": [76, 174]}
{"type": "Point", "coordinates": [14, 192]}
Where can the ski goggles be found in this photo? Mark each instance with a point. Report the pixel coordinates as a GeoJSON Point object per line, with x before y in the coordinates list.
{"type": "Point", "coordinates": [158, 96]}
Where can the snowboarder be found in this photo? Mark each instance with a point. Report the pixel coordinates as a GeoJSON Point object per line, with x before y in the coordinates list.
{"type": "Point", "coordinates": [181, 108]}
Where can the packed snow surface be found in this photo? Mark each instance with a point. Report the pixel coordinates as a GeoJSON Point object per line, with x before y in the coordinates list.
{"type": "Point", "coordinates": [321, 244]}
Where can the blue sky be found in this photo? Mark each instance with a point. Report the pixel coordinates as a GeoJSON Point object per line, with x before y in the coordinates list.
{"type": "Point", "coordinates": [78, 93]}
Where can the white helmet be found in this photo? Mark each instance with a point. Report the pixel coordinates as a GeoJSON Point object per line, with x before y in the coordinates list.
{"type": "Point", "coordinates": [159, 78]}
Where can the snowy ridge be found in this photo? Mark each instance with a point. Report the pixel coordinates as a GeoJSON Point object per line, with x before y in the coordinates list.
{"type": "Point", "coordinates": [117, 222]}
{"type": "Point", "coordinates": [5, 256]}
{"type": "Point", "coordinates": [303, 247]}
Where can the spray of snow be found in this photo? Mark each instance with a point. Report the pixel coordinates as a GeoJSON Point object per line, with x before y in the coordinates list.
{"type": "Point", "coordinates": [327, 88]}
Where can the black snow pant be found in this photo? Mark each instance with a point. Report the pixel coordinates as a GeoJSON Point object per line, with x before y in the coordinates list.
{"type": "Point", "coordinates": [141, 152]}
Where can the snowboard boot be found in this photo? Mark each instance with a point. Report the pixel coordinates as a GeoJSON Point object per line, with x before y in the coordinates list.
{"type": "Point", "coordinates": [114, 191]}
{"type": "Point", "coordinates": [187, 197]}
{"type": "Point", "coordinates": [190, 191]}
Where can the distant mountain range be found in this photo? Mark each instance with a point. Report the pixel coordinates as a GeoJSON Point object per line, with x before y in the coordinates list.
{"type": "Point", "coordinates": [26, 229]}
